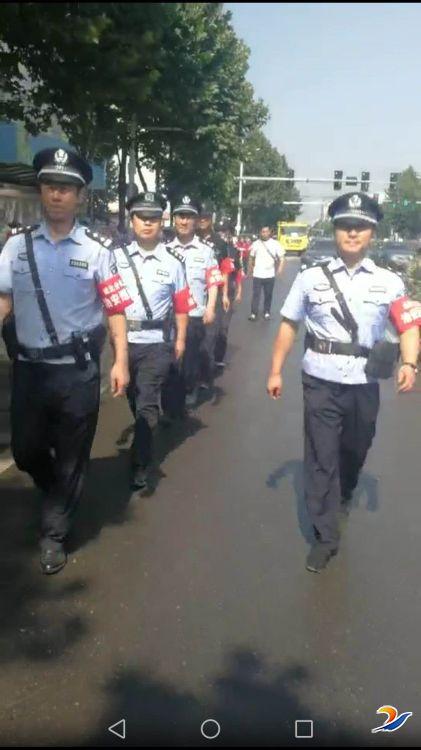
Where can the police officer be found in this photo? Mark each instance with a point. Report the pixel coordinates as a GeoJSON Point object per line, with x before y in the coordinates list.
{"type": "Point", "coordinates": [58, 278]}
{"type": "Point", "coordinates": [232, 269]}
{"type": "Point", "coordinates": [156, 280]}
{"type": "Point", "coordinates": [203, 278]}
{"type": "Point", "coordinates": [345, 305]}
{"type": "Point", "coordinates": [228, 259]}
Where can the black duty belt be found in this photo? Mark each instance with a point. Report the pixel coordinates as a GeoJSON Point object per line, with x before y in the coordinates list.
{"type": "Point", "coordinates": [48, 352]}
{"type": "Point", "coordinates": [324, 346]}
{"type": "Point", "coordinates": [145, 325]}
{"type": "Point", "coordinates": [84, 341]}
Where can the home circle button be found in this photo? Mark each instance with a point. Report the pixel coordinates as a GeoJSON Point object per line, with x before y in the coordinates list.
{"type": "Point", "coordinates": [210, 729]}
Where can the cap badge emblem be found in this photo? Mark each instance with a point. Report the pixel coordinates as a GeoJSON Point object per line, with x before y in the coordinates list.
{"type": "Point", "coordinates": [60, 157]}
{"type": "Point", "coordinates": [186, 200]}
{"type": "Point", "coordinates": [149, 197]}
{"type": "Point", "coordinates": [355, 201]}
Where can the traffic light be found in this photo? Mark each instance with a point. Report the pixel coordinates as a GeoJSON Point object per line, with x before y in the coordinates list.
{"type": "Point", "coordinates": [365, 182]}
{"type": "Point", "coordinates": [394, 177]}
{"type": "Point", "coordinates": [337, 177]}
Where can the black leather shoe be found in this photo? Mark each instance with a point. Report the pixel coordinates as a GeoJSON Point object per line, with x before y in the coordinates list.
{"type": "Point", "coordinates": [318, 557]}
{"type": "Point", "coordinates": [139, 480]}
{"type": "Point", "coordinates": [53, 558]}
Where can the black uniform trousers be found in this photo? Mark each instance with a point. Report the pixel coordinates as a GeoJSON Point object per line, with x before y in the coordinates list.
{"type": "Point", "coordinates": [222, 324]}
{"type": "Point", "coordinates": [149, 365]}
{"type": "Point", "coordinates": [267, 285]}
{"type": "Point", "coordinates": [54, 413]}
{"type": "Point", "coordinates": [197, 363]}
{"type": "Point", "coordinates": [339, 427]}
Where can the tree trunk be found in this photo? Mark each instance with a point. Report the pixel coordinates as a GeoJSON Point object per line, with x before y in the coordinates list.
{"type": "Point", "coordinates": [122, 190]}
{"type": "Point", "coordinates": [139, 172]}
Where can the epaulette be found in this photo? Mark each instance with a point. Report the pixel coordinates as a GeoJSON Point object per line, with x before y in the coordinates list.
{"type": "Point", "coordinates": [311, 266]}
{"type": "Point", "coordinates": [23, 230]}
{"type": "Point", "coordinates": [104, 241]}
{"type": "Point", "coordinates": [175, 254]}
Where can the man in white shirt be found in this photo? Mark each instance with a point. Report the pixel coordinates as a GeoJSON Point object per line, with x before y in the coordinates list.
{"type": "Point", "coordinates": [266, 261]}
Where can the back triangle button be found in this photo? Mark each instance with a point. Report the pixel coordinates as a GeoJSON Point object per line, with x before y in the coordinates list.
{"type": "Point", "coordinates": [119, 729]}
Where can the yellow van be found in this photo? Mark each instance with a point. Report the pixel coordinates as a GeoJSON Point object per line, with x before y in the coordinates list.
{"type": "Point", "coordinates": [293, 236]}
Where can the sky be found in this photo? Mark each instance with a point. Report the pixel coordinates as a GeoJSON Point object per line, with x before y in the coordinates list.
{"type": "Point", "coordinates": [343, 85]}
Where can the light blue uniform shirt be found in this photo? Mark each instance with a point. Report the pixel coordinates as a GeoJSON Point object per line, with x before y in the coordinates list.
{"type": "Point", "coordinates": [368, 291]}
{"type": "Point", "coordinates": [162, 276]}
{"type": "Point", "coordinates": [199, 259]}
{"type": "Point", "coordinates": [69, 271]}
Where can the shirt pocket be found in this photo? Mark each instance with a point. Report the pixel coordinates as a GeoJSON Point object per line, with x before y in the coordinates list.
{"type": "Point", "coordinates": [320, 304]}
{"type": "Point", "coordinates": [22, 277]}
{"type": "Point", "coordinates": [376, 307]}
{"type": "Point", "coordinates": [78, 274]}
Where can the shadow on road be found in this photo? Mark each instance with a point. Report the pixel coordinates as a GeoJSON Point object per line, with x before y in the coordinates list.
{"type": "Point", "coordinates": [293, 470]}
{"type": "Point", "coordinates": [254, 705]}
{"type": "Point", "coordinates": [35, 623]}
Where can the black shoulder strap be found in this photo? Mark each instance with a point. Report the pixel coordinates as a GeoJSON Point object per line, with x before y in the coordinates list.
{"type": "Point", "coordinates": [146, 305]}
{"type": "Point", "coordinates": [45, 313]}
{"type": "Point", "coordinates": [268, 251]}
{"type": "Point", "coordinates": [348, 321]}
{"type": "Point", "coordinates": [175, 254]}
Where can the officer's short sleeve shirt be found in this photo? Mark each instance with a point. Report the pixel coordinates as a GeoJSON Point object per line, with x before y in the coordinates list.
{"type": "Point", "coordinates": [163, 278]}
{"type": "Point", "coordinates": [202, 271]}
{"type": "Point", "coordinates": [70, 270]}
{"type": "Point", "coordinates": [369, 293]}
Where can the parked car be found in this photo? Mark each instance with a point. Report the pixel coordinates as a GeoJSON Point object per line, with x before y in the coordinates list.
{"type": "Point", "coordinates": [396, 255]}
{"type": "Point", "coordinates": [319, 251]}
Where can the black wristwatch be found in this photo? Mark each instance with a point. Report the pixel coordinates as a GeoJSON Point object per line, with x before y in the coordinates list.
{"type": "Point", "coordinates": [410, 364]}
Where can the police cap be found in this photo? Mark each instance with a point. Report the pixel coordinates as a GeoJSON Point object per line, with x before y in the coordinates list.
{"type": "Point", "coordinates": [355, 208]}
{"type": "Point", "coordinates": [62, 165]}
{"type": "Point", "coordinates": [224, 225]}
{"type": "Point", "coordinates": [150, 204]}
{"type": "Point", "coordinates": [186, 205]}
{"type": "Point", "coordinates": [207, 210]}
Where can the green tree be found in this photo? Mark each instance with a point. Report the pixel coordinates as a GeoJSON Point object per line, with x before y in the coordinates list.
{"type": "Point", "coordinates": [163, 80]}
{"type": "Point", "coordinates": [402, 213]}
{"type": "Point", "coordinates": [263, 201]}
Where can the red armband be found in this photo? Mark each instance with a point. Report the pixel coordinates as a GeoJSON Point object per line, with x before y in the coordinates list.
{"type": "Point", "coordinates": [213, 277]}
{"type": "Point", "coordinates": [227, 265]}
{"type": "Point", "coordinates": [405, 313]}
{"type": "Point", "coordinates": [114, 295]}
{"type": "Point", "coordinates": [183, 301]}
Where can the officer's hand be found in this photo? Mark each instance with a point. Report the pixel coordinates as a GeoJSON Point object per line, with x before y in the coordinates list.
{"type": "Point", "coordinates": [226, 304]}
{"type": "Point", "coordinates": [179, 349]}
{"type": "Point", "coordinates": [274, 386]}
{"type": "Point", "coordinates": [406, 378]}
{"type": "Point", "coordinates": [238, 297]}
{"type": "Point", "coordinates": [209, 317]}
{"type": "Point", "coordinates": [119, 379]}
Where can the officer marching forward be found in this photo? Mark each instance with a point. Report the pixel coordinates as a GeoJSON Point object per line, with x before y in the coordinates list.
{"type": "Point", "coordinates": [156, 280]}
{"type": "Point", "coordinates": [230, 265]}
{"type": "Point", "coordinates": [58, 278]}
{"type": "Point", "coordinates": [346, 305]}
{"type": "Point", "coordinates": [203, 278]}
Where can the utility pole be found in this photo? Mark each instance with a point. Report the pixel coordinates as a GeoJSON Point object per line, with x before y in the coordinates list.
{"type": "Point", "coordinates": [240, 200]}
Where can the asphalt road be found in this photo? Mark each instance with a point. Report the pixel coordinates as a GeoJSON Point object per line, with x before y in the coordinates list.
{"type": "Point", "coordinates": [195, 603]}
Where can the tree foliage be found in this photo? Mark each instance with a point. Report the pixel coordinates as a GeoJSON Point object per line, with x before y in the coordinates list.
{"type": "Point", "coordinates": [402, 213]}
{"type": "Point", "coordinates": [263, 201]}
{"type": "Point", "coordinates": [167, 80]}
